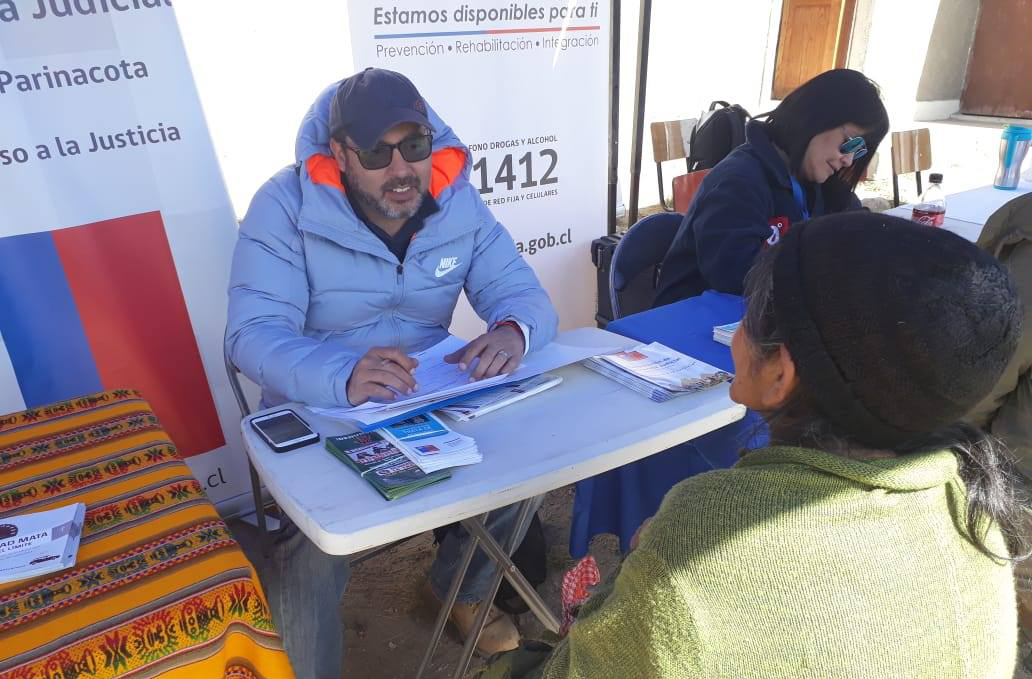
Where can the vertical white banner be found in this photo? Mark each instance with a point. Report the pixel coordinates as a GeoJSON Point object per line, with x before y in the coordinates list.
{"type": "Point", "coordinates": [116, 231]}
{"type": "Point", "coordinates": [526, 87]}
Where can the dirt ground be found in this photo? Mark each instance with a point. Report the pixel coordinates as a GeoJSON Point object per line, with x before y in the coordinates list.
{"type": "Point", "coordinates": [388, 617]}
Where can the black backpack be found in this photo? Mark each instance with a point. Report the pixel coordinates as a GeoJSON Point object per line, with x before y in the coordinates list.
{"type": "Point", "coordinates": [720, 132]}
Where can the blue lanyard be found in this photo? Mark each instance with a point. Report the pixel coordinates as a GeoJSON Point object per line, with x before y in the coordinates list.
{"type": "Point", "coordinates": [800, 198]}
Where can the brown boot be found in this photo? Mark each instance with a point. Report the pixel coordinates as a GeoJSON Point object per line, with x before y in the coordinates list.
{"type": "Point", "coordinates": [499, 633]}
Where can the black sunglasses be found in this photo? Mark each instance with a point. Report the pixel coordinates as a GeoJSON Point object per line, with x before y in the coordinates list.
{"type": "Point", "coordinates": [413, 149]}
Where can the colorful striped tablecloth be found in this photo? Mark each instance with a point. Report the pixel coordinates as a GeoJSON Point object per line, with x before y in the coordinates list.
{"type": "Point", "coordinates": [160, 588]}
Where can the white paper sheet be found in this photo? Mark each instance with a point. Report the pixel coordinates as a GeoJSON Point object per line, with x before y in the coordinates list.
{"type": "Point", "coordinates": [568, 348]}
{"type": "Point", "coordinates": [435, 378]}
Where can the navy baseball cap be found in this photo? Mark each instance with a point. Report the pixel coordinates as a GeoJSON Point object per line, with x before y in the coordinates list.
{"type": "Point", "coordinates": [373, 101]}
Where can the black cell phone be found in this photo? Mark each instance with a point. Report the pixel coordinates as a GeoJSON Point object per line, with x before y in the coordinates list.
{"type": "Point", "coordinates": [284, 430]}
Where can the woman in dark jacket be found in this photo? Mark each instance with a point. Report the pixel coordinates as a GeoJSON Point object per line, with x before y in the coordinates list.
{"type": "Point", "coordinates": [802, 160]}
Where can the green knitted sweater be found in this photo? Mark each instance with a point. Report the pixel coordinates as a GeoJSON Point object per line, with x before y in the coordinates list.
{"type": "Point", "coordinates": [798, 563]}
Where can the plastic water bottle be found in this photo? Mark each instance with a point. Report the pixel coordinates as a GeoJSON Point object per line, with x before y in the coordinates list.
{"type": "Point", "coordinates": [931, 209]}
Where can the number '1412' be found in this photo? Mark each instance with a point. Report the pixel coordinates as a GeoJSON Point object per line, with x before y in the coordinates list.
{"type": "Point", "coordinates": [507, 176]}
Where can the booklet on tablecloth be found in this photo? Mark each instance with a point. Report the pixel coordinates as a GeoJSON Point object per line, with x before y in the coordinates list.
{"type": "Point", "coordinates": [724, 333]}
{"type": "Point", "coordinates": [39, 543]}
{"type": "Point", "coordinates": [657, 371]}
{"type": "Point", "coordinates": [382, 464]}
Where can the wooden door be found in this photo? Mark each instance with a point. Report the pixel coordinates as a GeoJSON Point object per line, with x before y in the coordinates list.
{"type": "Point", "coordinates": [998, 82]}
{"type": "Point", "coordinates": [814, 38]}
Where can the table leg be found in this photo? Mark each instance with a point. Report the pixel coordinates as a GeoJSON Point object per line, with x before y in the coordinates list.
{"type": "Point", "coordinates": [481, 537]}
{"type": "Point", "coordinates": [449, 602]}
{"type": "Point", "coordinates": [507, 569]}
{"type": "Point", "coordinates": [259, 510]}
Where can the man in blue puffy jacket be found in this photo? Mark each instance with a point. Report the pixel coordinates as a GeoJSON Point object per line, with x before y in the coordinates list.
{"type": "Point", "coordinates": [349, 261]}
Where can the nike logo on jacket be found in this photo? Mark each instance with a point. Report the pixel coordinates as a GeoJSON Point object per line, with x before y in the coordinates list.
{"type": "Point", "coordinates": [446, 265]}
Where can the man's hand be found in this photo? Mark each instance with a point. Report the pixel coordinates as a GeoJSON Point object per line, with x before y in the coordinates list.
{"type": "Point", "coordinates": [380, 368]}
{"type": "Point", "coordinates": [500, 351]}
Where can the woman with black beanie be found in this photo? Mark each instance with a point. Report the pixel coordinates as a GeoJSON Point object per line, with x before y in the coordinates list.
{"type": "Point", "coordinates": [874, 536]}
{"type": "Point", "coordinates": [801, 160]}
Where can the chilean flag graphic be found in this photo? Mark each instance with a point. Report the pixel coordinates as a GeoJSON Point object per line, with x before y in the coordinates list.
{"type": "Point", "coordinates": [99, 306]}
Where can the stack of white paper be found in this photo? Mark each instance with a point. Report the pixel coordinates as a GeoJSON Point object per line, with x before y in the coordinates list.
{"type": "Point", "coordinates": [425, 440]}
{"type": "Point", "coordinates": [724, 333]}
{"type": "Point", "coordinates": [39, 543]}
{"type": "Point", "coordinates": [439, 381]}
{"type": "Point", "coordinates": [657, 371]}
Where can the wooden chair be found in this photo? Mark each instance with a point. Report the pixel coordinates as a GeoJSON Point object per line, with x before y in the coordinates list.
{"type": "Point", "coordinates": [670, 142]}
{"type": "Point", "coordinates": [911, 152]}
{"type": "Point", "coordinates": [685, 188]}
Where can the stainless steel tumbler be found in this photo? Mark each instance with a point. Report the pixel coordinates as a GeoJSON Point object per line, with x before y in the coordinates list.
{"type": "Point", "coordinates": [1014, 145]}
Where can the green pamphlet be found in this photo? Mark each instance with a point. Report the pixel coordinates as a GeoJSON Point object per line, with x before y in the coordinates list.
{"type": "Point", "coordinates": [382, 464]}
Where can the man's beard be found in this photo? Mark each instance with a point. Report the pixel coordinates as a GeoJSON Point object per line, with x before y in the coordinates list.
{"type": "Point", "coordinates": [381, 206]}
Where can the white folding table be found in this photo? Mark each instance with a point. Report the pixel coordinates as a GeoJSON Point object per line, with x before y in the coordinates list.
{"type": "Point", "coordinates": [585, 426]}
{"type": "Point", "coordinates": [968, 211]}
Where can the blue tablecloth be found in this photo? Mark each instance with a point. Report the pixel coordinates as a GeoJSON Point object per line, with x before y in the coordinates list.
{"type": "Point", "coordinates": [619, 500]}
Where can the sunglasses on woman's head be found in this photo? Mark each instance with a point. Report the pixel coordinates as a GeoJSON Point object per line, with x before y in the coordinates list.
{"type": "Point", "coordinates": [413, 149]}
{"type": "Point", "coordinates": [855, 146]}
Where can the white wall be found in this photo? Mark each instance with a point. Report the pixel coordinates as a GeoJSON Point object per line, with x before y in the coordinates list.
{"type": "Point", "coordinates": [895, 43]}
{"type": "Point", "coordinates": [258, 66]}
{"type": "Point", "coordinates": [896, 47]}
{"type": "Point", "coordinates": [700, 51]}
